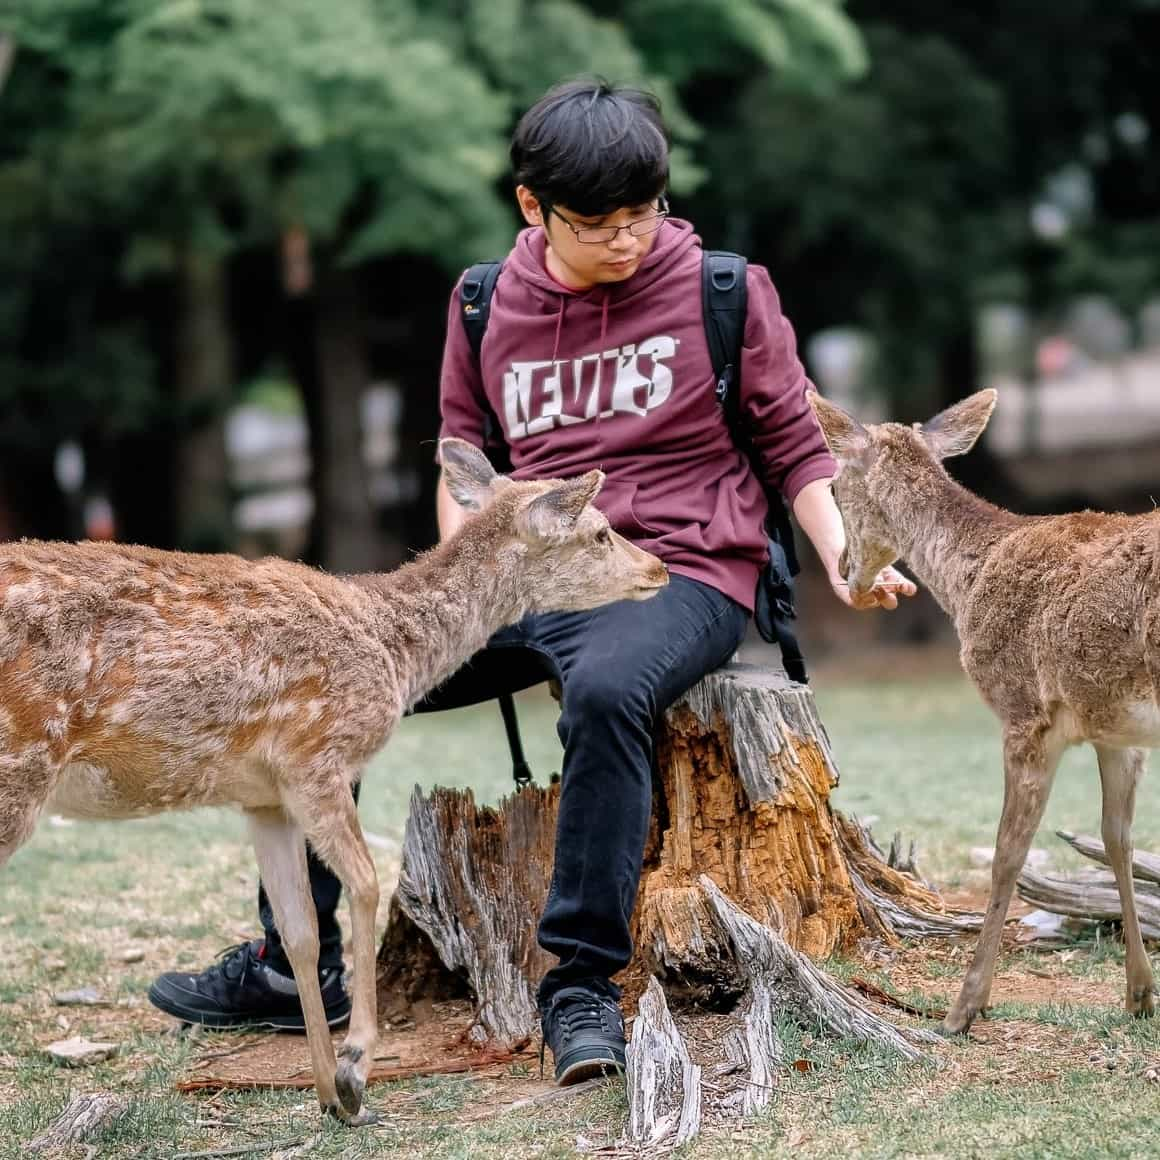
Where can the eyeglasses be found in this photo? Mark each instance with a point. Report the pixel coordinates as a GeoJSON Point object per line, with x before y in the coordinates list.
{"type": "Point", "coordinates": [602, 235]}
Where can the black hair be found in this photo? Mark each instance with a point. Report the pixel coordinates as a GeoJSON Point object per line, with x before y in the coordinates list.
{"type": "Point", "coordinates": [592, 147]}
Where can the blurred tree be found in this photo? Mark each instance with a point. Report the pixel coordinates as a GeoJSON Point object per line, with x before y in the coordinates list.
{"type": "Point", "coordinates": [901, 201]}
{"type": "Point", "coordinates": [880, 201]}
{"type": "Point", "coordinates": [180, 132]}
{"type": "Point", "coordinates": [187, 130]}
{"type": "Point", "coordinates": [146, 144]}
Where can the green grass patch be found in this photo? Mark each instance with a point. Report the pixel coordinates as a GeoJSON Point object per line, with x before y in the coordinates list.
{"type": "Point", "coordinates": [923, 757]}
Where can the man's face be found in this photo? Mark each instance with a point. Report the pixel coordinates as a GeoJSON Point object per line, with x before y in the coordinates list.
{"type": "Point", "coordinates": [582, 264]}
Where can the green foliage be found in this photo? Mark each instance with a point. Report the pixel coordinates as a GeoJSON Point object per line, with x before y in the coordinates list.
{"type": "Point", "coordinates": [805, 42]}
{"type": "Point", "coordinates": [134, 130]}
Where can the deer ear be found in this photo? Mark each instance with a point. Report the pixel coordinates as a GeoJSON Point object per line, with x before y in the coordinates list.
{"type": "Point", "coordinates": [954, 431]}
{"type": "Point", "coordinates": [553, 515]}
{"type": "Point", "coordinates": [467, 472]}
{"type": "Point", "coordinates": [847, 439]}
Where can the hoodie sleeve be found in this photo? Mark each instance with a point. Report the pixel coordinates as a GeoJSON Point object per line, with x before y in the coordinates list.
{"type": "Point", "coordinates": [785, 433]}
{"type": "Point", "coordinates": [463, 407]}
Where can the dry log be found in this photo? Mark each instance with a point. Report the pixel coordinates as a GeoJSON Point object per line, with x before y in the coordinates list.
{"type": "Point", "coordinates": [1093, 897]}
{"type": "Point", "coordinates": [1145, 866]}
{"type": "Point", "coordinates": [82, 1119]}
{"type": "Point", "coordinates": [473, 882]}
{"type": "Point", "coordinates": [744, 774]}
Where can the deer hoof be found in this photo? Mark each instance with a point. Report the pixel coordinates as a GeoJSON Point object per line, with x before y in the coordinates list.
{"type": "Point", "coordinates": [339, 1113]}
{"type": "Point", "coordinates": [953, 1026]}
{"type": "Point", "coordinates": [1142, 1003]}
{"type": "Point", "coordinates": [350, 1086]}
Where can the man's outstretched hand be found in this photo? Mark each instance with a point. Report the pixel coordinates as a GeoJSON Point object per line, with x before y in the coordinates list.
{"type": "Point", "coordinates": [889, 585]}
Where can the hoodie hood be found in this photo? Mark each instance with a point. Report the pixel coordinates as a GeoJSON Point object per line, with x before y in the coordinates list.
{"type": "Point", "coordinates": [527, 262]}
{"type": "Point", "coordinates": [674, 239]}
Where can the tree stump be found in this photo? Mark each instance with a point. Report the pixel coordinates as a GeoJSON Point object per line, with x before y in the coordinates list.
{"type": "Point", "coordinates": [744, 774]}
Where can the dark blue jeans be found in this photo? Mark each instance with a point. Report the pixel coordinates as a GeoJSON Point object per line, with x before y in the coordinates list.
{"type": "Point", "coordinates": [620, 667]}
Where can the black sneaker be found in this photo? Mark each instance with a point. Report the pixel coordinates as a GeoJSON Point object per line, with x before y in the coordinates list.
{"type": "Point", "coordinates": [585, 1030]}
{"type": "Point", "coordinates": [240, 990]}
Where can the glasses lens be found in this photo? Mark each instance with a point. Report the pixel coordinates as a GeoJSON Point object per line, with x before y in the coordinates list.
{"type": "Point", "coordinates": [648, 225]}
{"type": "Point", "coordinates": [596, 235]}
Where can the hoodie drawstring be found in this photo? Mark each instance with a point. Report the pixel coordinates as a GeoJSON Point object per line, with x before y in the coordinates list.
{"type": "Point", "coordinates": [563, 298]}
{"type": "Point", "coordinates": [559, 327]}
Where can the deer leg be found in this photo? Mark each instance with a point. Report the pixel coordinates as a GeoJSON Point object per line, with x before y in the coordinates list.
{"type": "Point", "coordinates": [1120, 771]}
{"type": "Point", "coordinates": [1029, 767]}
{"type": "Point", "coordinates": [24, 788]}
{"type": "Point", "coordinates": [337, 838]}
{"type": "Point", "coordinates": [16, 828]}
{"type": "Point", "coordinates": [281, 852]}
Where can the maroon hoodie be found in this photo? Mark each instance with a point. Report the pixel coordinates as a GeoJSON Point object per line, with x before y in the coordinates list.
{"type": "Point", "coordinates": [619, 377]}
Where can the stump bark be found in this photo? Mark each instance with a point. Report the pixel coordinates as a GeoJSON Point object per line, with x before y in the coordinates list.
{"type": "Point", "coordinates": [741, 798]}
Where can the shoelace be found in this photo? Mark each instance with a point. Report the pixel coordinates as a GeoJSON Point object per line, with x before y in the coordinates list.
{"type": "Point", "coordinates": [576, 1013]}
{"type": "Point", "coordinates": [581, 1014]}
{"type": "Point", "coordinates": [239, 952]}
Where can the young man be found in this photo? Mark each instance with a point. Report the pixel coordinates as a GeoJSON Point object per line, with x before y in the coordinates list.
{"type": "Point", "coordinates": [595, 356]}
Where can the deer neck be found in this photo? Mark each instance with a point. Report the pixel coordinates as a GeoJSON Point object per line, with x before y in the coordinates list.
{"type": "Point", "coordinates": [942, 530]}
{"type": "Point", "coordinates": [435, 613]}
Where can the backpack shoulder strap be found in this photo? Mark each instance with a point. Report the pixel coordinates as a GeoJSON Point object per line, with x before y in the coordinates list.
{"type": "Point", "coordinates": [725, 302]}
{"type": "Point", "coordinates": [475, 293]}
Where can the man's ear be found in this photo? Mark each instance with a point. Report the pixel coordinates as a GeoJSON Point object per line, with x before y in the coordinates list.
{"type": "Point", "coordinates": [467, 472]}
{"type": "Point", "coordinates": [847, 439]}
{"type": "Point", "coordinates": [530, 207]}
{"type": "Point", "coordinates": [955, 430]}
{"type": "Point", "coordinates": [553, 515]}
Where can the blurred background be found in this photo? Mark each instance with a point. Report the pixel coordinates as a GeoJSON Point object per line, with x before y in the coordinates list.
{"type": "Point", "coordinates": [229, 229]}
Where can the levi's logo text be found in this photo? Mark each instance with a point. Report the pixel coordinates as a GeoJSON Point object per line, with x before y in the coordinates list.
{"type": "Point", "coordinates": [628, 380]}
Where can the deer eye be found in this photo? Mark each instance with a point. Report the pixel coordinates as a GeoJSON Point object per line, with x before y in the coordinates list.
{"type": "Point", "coordinates": [604, 536]}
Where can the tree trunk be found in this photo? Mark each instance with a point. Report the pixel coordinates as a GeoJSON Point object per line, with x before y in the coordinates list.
{"type": "Point", "coordinates": [347, 537]}
{"type": "Point", "coordinates": [744, 774]}
{"type": "Point", "coordinates": [203, 381]}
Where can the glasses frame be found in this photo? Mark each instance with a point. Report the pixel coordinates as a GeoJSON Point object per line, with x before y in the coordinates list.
{"type": "Point", "coordinates": [633, 228]}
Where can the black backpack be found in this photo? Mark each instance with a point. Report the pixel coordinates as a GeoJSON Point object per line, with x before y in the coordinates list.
{"type": "Point", "coordinates": [725, 301]}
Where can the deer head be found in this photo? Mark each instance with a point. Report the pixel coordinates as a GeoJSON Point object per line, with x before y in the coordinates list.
{"type": "Point", "coordinates": [565, 554]}
{"type": "Point", "coordinates": [861, 452]}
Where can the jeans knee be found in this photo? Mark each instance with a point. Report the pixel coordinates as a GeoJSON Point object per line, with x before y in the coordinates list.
{"type": "Point", "coordinates": [602, 699]}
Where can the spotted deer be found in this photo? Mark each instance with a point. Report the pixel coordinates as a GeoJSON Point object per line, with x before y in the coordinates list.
{"type": "Point", "coordinates": [134, 681]}
{"type": "Point", "coordinates": [1059, 623]}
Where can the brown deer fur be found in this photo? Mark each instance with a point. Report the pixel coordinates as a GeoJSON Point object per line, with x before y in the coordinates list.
{"type": "Point", "coordinates": [1059, 623]}
{"type": "Point", "coordinates": [134, 681]}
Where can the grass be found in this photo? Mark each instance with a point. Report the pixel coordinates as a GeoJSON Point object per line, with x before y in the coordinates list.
{"type": "Point", "coordinates": [925, 758]}
{"type": "Point", "coordinates": [920, 756]}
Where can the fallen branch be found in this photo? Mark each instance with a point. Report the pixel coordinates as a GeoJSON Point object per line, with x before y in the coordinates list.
{"type": "Point", "coordinates": [885, 997]}
{"type": "Point", "coordinates": [551, 1096]}
{"type": "Point", "coordinates": [82, 1118]}
{"type": "Point", "coordinates": [1145, 866]}
{"type": "Point", "coordinates": [1094, 898]}
{"type": "Point", "coordinates": [242, 1149]}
